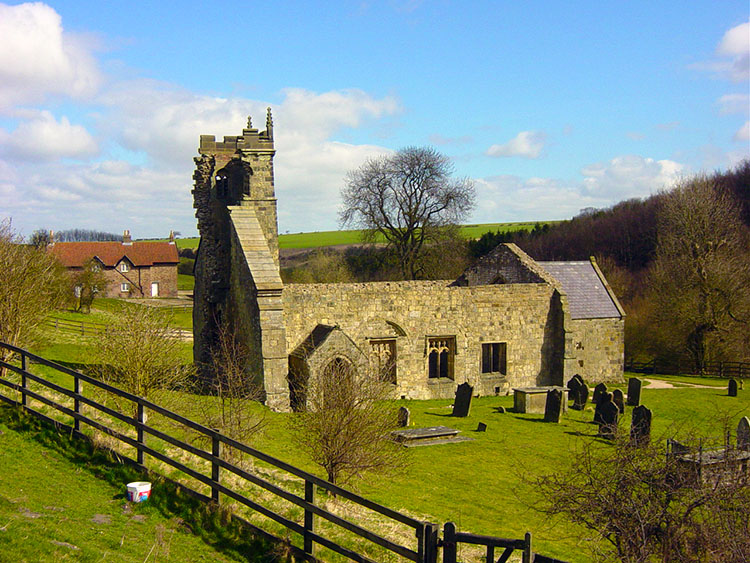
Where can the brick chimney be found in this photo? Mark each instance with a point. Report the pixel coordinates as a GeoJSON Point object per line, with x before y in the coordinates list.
{"type": "Point", "coordinates": [126, 237]}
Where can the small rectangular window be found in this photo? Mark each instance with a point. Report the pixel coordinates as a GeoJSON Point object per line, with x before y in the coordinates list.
{"type": "Point", "coordinates": [440, 352]}
{"type": "Point", "coordinates": [494, 357]}
{"type": "Point", "coordinates": [124, 287]}
{"type": "Point", "coordinates": [124, 267]}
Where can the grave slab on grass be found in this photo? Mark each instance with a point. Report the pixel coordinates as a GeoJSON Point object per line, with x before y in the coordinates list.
{"type": "Point", "coordinates": [429, 436]}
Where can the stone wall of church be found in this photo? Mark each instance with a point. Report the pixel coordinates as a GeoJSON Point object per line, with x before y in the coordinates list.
{"type": "Point", "coordinates": [523, 316]}
{"type": "Point", "coordinates": [594, 349]}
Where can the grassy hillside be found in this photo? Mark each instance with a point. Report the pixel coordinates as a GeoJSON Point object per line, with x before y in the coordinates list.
{"type": "Point", "coordinates": [330, 238]}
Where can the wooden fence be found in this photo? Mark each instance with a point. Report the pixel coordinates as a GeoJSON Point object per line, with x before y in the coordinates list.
{"type": "Point", "coordinates": [739, 370]}
{"type": "Point", "coordinates": [422, 549]}
{"type": "Point", "coordinates": [96, 329]}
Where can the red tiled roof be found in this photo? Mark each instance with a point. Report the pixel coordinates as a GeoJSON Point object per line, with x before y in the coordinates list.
{"type": "Point", "coordinates": [75, 254]}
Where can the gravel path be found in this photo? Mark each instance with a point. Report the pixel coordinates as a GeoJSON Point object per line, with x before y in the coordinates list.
{"type": "Point", "coordinates": [660, 384]}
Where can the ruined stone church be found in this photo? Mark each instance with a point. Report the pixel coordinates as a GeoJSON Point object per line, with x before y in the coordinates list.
{"type": "Point", "coordinates": [507, 321]}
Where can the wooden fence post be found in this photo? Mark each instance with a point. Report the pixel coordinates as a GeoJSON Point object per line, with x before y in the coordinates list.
{"type": "Point", "coordinates": [309, 517]}
{"type": "Point", "coordinates": [216, 452]}
{"type": "Point", "coordinates": [77, 403]}
{"type": "Point", "coordinates": [528, 553]}
{"type": "Point", "coordinates": [449, 543]}
{"type": "Point", "coordinates": [141, 433]}
{"type": "Point", "coordinates": [24, 384]}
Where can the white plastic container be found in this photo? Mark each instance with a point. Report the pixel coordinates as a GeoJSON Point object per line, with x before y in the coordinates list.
{"type": "Point", "coordinates": [139, 491]}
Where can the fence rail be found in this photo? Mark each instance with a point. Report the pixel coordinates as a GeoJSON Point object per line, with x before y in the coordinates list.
{"type": "Point", "coordinates": [97, 329]}
{"type": "Point", "coordinates": [711, 369]}
{"type": "Point", "coordinates": [424, 546]}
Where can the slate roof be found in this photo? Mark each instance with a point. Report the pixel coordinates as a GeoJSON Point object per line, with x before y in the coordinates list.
{"type": "Point", "coordinates": [75, 254]}
{"type": "Point", "coordinates": [588, 298]}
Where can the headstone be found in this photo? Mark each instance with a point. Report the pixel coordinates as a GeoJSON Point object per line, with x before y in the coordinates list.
{"type": "Point", "coordinates": [634, 391]}
{"type": "Point", "coordinates": [580, 397]}
{"type": "Point", "coordinates": [404, 417]}
{"type": "Point", "coordinates": [743, 434]}
{"type": "Point", "coordinates": [605, 398]}
{"type": "Point", "coordinates": [482, 427]}
{"type": "Point", "coordinates": [619, 399]}
{"type": "Point", "coordinates": [553, 406]}
{"type": "Point", "coordinates": [574, 382]}
{"type": "Point", "coordinates": [732, 388]}
{"type": "Point", "coordinates": [462, 402]}
{"type": "Point", "coordinates": [609, 416]}
{"type": "Point", "coordinates": [599, 390]}
{"type": "Point", "coordinates": [640, 426]}
{"type": "Point", "coordinates": [500, 410]}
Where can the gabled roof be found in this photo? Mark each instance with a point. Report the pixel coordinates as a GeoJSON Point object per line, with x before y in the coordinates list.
{"type": "Point", "coordinates": [314, 340]}
{"type": "Point", "coordinates": [75, 254]}
{"type": "Point", "coordinates": [588, 296]}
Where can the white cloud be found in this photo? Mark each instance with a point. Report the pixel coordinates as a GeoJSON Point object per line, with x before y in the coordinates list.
{"type": "Point", "coordinates": [38, 58]}
{"type": "Point", "coordinates": [736, 45]}
{"type": "Point", "coordinates": [743, 134]}
{"type": "Point", "coordinates": [734, 103]}
{"type": "Point", "coordinates": [43, 137]}
{"type": "Point", "coordinates": [527, 144]}
{"type": "Point", "coordinates": [629, 176]}
{"type": "Point", "coordinates": [511, 198]}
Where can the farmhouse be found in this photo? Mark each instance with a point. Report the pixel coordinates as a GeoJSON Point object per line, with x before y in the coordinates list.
{"type": "Point", "coordinates": [132, 269]}
{"type": "Point", "coordinates": [506, 322]}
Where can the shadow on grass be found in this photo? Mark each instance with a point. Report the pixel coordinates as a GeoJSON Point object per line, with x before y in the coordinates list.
{"type": "Point", "coordinates": [214, 526]}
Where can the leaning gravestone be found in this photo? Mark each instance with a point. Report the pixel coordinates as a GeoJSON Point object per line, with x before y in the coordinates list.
{"type": "Point", "coordinates": [599, 390]}
{"type": "Point", "coordinates": [640, 426]}
{"type": "Point", "coordinates": [553, 406]}
{"type": "Point", "coordinates": [462, 402]}
{"type": "Point", "coordinates": [605, 398]}
{"type": "Point", "coordinates": [743, 434]}
{"type": "Point", "coordinates": [609, 416]}
{"type": "Point", "coordinates": [580, 397]}
{"type": "Point", "coordinates": [403, 417]}
{"type": "Point", "coordinates": [634, 391]}
{"type": "Point", "coordinates": [574, 382]}
{"type": "Point", "coordinates": [619, 399]}
{"type": "Point", "coordinates": [732, 388]}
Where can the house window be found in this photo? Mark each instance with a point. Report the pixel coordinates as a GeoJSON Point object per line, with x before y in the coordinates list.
{"type": "Point", "coordinates": [383, 359]}
{"type": "Point", "coordinates": [494, 357]}
{"type": "Point", "coordinates": [124, 287]}
{"type": "Point", "coordinates": [124, 267]}
{"type": "Point", "coordinates": [441, 351]}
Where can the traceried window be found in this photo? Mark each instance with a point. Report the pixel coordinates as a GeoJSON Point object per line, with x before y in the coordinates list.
{"type": "Point", "coordinates": [124, 267]}
{"type": "Point", "coordinates": [383, 359]}
{"type": "Point", "coordinates": [441, 351]}
{"type": "Point", "coordinates": [494, 357]}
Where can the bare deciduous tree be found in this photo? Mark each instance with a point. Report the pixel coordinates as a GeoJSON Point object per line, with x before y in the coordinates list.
{"type": "Point", "coordinates": [408, 197]}
{"type": "Point", "coordinates": [701, 273]}
{"type": "Point", "coordinates": [33, 284]}
{"type": "Point", "coordinates": [347, 422]}
{"type": "Point", "coordinates": [234, 388]}
{"type": "Point", "coordinates": [141, 353]}
{"type": "Point", "coordinates": [647, 506]}
{"type": "Point", "coordinates": [86, 284]}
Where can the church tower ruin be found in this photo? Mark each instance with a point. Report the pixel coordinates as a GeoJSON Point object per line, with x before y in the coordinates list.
{"type": "Point", "coordinates": [237, 283]}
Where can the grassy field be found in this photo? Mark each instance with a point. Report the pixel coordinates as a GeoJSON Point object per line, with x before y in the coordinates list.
{"type": "Point", "coordinates": [487, 485]}
{"type": "Point", "coordinates": [330, 238]}
{"type": "Point", "coordinates": [61, 500]}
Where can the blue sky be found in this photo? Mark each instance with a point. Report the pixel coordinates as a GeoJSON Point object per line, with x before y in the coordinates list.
{"type": "Point", "coordinates": [549, 106]}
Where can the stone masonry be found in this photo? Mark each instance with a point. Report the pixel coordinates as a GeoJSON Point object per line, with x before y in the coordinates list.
{"type": "Point", "coordinates": [506, 322]}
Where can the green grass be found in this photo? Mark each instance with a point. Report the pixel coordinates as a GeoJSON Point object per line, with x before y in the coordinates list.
{"type": "Point", "coordinates": [185, 282]}
{"type": "Point", "coordinates": [329, 238]}
{"type": "Point", "coordinates": [486, 486]}
{"type": "Point", "coordinates": [61, 499]}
